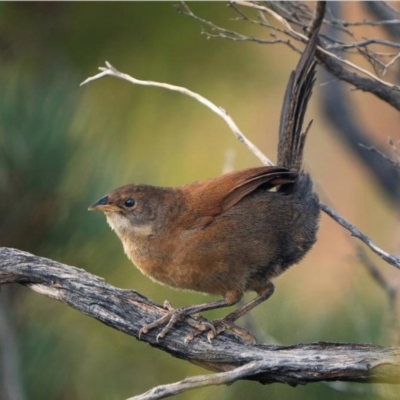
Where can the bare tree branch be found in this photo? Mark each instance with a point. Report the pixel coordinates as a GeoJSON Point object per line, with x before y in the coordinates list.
{"type": "Point", "coordinates": [363, 43]}
{"type": "Point", "coordinates": [127, 311]}
{"type": "Point", "coordinates": [364, 84]}
{"type": "Point", "coordinates": [371, 23]}
{"type": "Point", "coordinates": [298, 14]}
{"type": "Point", "coordinates": [321, 50]}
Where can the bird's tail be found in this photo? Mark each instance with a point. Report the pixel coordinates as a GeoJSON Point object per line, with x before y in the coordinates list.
{"type": "Point", "coordinates": [297, 95]}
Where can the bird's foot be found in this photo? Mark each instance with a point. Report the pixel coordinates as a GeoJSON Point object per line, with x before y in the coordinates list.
{"type": "Point", "coordinates": [220, 325]}
{"type": "Point", "coordinates": [225, 324]}
{"type": "Point", "coordinates": [198, 322]}
{"type": "Point", "coordinates": [174, 315]}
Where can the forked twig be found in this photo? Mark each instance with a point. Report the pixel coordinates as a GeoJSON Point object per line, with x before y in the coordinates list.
{"type": "Point", "coordinates": [194, 382]}
{"type": "Point", "coordinates": [112, 71]}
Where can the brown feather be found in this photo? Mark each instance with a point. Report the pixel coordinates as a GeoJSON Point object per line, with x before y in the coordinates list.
{"type": "Point", "coordinates": [219, 195]}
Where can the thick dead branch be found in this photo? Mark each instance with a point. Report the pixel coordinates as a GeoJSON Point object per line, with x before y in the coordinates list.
{"type": "Point", "coordinates": [127, 311]}
{"type": "Point", "coordinates": [383, 92]}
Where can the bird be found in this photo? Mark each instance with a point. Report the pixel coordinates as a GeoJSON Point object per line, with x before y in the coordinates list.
{"type": "Point", "coordinates": [226, 235]}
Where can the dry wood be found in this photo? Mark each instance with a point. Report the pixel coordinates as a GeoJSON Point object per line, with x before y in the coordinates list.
{"type": "Point", "coordinates": [127, 311]}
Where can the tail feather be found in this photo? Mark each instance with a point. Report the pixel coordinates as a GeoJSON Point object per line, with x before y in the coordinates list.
{"type": "Point", "coordinates": [295, 101]}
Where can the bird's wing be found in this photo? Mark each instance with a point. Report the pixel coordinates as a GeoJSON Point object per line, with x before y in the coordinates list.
{"type": "Point", "coordinates": [212, 197]}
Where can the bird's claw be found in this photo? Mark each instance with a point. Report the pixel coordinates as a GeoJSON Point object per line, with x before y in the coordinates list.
{"type": "Point", "coordinates": [198, 322]}
{"type": "Point", "coordinates": [200, 325]}
{"type": "Point", "coordinates": [214, 328]}
{"type": "Point", "coordinates": [167, 305]}
{"type": "Point", "coordinates": [224, 324]}
{"type": "Point", "coordinates": [170, 318]}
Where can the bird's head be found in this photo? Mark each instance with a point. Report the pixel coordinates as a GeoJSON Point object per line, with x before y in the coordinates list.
{"type": "Point", "coordinates": [133, 209]}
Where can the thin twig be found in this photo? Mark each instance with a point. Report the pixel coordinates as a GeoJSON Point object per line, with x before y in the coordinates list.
{"type": "Point", "coordinates": [363, 43]}
{"type": "Point", "coordinates": [390, 259]}
{"type": "Point", "coordinates": [390, 63]}
{"type": "Point", "coordinates": [390, 289]}
{"type": "Point", "coordinates": [253, 39]}
{"type": "Point", "coordinates": [109, 70]}
{"type": "Point", "coordinates": [233, 35]}
{"type": "Point", "coordinates": [384, 156]}
{"type": "Point", "coordinates": [194, 382]}
{"type": "Point", "coordinates": [394, 149]}
{"type": "Point", "coordinates": [391, 8]}
{"type": "Point", "coordinates": [370, 23]}
{"type": "Point", "coordinates": [304, 39]}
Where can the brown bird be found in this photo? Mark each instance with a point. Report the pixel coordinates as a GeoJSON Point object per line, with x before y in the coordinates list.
{"type": "Point", "coordinates": [227, 235]}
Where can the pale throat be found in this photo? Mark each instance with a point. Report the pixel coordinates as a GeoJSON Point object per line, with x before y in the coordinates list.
{"type": "Point", "coordinates": [131, 236]}
{"type": "Point", "coordinates": [124, 228]}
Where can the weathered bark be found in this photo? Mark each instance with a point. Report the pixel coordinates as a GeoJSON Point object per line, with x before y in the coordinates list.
{"type": "Point", "coordinates": [127, 311]}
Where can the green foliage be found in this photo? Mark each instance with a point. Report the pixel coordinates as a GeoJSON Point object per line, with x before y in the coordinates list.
{"type": "Point", "coordinates": [34, 152]}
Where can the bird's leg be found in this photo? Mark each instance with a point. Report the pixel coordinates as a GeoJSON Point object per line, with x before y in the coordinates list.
{"type": "Point", "coordinates": [227, 323]}
{"type": "Point", "coordinates": [175, 314]}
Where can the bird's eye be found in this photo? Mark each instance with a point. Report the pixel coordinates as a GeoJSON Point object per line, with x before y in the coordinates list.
{"type": "Point", "coordinates": [129, 202]}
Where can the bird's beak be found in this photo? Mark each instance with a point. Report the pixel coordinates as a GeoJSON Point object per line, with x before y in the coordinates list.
{"type": "Point", "coordinates": [102, 205]}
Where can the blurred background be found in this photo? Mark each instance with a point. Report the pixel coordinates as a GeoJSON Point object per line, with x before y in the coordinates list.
{"type": "Point", "coordinates": [63, 146]}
